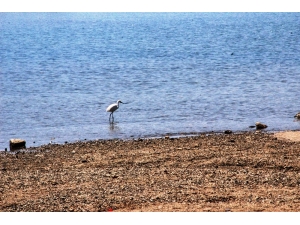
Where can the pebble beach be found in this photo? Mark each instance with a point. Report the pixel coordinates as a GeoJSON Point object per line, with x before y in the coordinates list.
{"type": "Point", "coordinates": [235, 172]}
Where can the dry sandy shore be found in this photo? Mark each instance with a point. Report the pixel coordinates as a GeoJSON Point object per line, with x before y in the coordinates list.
{"type": "Point", "coordinates": [253, 171]}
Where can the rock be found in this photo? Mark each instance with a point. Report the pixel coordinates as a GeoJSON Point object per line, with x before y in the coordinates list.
{"type": "Point", "coordinates": [260, 125]}
{"type": "Point", "coordinates": [297, 116]}
{"type": "Point", "coordinates": [15, 144]}
{"type": "Point", "coordinates": [227, 132]}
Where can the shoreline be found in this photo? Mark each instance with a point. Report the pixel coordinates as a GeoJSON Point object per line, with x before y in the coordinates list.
{"type": "Point", "coordinates": [158, 136]}
{"type": "Point", "coordinates": [248, 171]}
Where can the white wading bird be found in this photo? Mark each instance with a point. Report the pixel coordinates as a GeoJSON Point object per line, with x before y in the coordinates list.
{"type": "Point", "coordinates": [112, 108]}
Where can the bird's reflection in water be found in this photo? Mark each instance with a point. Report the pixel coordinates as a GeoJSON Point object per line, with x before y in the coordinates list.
{"type": "Point", "coordinates": [113, 127]}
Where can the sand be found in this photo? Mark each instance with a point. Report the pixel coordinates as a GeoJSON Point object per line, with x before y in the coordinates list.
{"type": "Point", "coordinates": [288, 135]}
{"type": "Point", "coordinates": [250, 171]}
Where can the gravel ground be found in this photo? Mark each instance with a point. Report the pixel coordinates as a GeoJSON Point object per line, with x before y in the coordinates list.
{"type": "Point", "coordinates": [251, 171]}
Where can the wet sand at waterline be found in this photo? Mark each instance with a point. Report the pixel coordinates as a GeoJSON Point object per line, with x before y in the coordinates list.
{"type": "Point", "coordinates": [250, 171]}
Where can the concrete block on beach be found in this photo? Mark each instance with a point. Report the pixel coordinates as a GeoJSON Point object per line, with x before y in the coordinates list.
{"type": "Point", "coordinates": [15, 144]}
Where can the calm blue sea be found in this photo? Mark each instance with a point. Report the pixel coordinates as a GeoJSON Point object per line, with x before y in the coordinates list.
{"type": "Point", "coordinates": [178, 72]}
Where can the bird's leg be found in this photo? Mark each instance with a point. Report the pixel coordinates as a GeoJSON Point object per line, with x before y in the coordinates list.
{"type": "Point", "coordinates": [109, 117]}
{"type": "Point", "coordinates": [113, 119]}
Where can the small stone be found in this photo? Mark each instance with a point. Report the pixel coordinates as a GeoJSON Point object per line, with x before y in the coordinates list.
{"type": "Point", "coordinates": [15, 144]}
{"type": "Point", "coordinates": [227, 132]}
{"type": "Point", "coordinates": [260, 125]}
{"type": "Point", "coordinates": [73, 152]}
{"type": "Point", "coordinates": [167, 137]}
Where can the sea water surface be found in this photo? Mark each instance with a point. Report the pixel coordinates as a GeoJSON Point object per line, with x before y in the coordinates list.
{"type": "Point", "coordinates": [178, 72]}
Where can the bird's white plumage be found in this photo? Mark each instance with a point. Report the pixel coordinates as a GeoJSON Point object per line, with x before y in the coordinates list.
{"type": "Point", "coordinates": [113, 107]}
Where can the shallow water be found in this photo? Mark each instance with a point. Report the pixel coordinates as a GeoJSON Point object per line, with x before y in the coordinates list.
{"type": "Point", "coordinates": [178, 72]}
